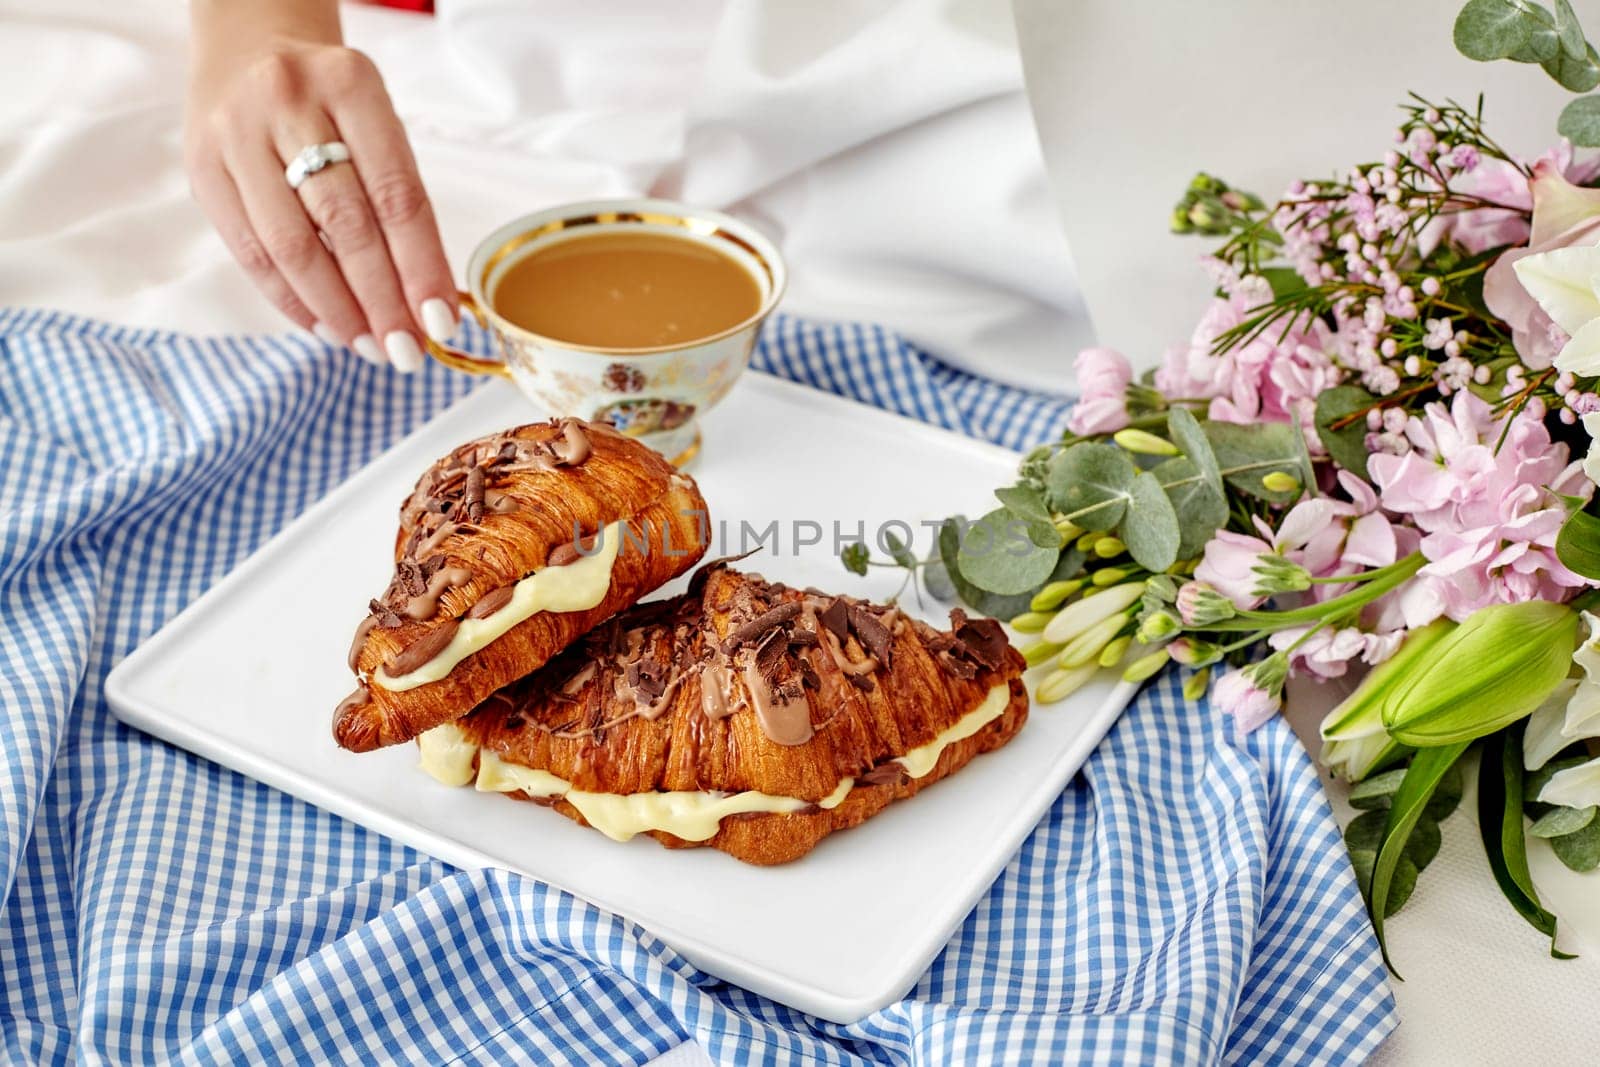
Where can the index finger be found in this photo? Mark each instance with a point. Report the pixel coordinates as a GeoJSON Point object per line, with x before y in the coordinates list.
{"type": "Point", "coordinates": [388, 171]}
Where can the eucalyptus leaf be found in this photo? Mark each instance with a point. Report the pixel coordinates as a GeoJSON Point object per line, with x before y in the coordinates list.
{"type": "Point", "coordinates": [1027, 504]}
{"type": "Point", "coordinates": [936, 577]}
{"type": "Point", "coordinates": [1377, 791]}
{"type": "Point", "coordinates": [1490, 29]}
{"type": "Point", "coordinates": [978, 599]}
{"type": "Point", "coordinates": [1568, 31]}
{"type": "Point", "coordinates": [1246, 454]}
{"type": "Point", "coordinates": [1580, 851]}
{"type": "Point", "coordinates": [1201, 509]}
{"type": "Point", "coordinates": [1402, 880]}
{"type": "Point", "coordinates": [997, 554]}
{"type": "Point", "coordinates": [899, 550]}
{"type": "Point", "coordinates": [1424, 842]}
{"type": "Point", "coordinates": [1409, 805]}
{"type": "Point", "coordinates": [1580, 121]}
{"type": "Point", "coordinates": [1578, 73]}
{"type": "Point", "coordinates": [1560, 821]}
{"type": "Point", "coordinates": [1150, 527]}
{"type": "Point", "coordinates": [1543, 43]}
{"type": "Point", "coordinates": [1187, 433]}
{"type": "Point", "coordinates": [1089, 483]}
{"type": "Point", "coordinates": [1446, 795]}
{"type": "Point", "coordinates": [1365, 832]}
{"type": "Point", "coordinates": [1500, 792]}
{"type": "Point", "coordinates": [1347, 445]}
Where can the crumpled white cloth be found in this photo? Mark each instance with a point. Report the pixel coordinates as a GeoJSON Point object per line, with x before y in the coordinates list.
{"type": "Point", "coordinates": [888, 146]}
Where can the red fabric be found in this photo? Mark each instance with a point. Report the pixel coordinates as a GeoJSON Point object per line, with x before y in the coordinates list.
{"type": "Point", "coordinates": [408, 5]}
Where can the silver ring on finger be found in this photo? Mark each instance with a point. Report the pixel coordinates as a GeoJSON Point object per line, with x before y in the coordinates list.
{"type": "Point", "coordinates": [314, 158]}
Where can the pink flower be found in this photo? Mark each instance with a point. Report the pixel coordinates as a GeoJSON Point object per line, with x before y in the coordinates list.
{"type": "Point", "coordinates": [1479, 229]}
{"type": "Point", "coordinates": [1250, 705]}
{"type": "Point", "coordinates": [1273, 378]}
{"type": "Point", "coordinates": [1328, 653]}
{"type": "Point", "coordinates": [1229, 566]}
{"type": "Point", "coordinates": [1488, 516]}
{"type": "Point", "coordinates": [1102, 407]}
{"type": "Point", "coordinates": [1563, 216]}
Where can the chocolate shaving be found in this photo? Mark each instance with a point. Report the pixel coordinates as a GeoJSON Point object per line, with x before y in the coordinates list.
{"type": "Point", "coordinates": [953, 665]}
{"type": "Point", "coordinates": [862, 682]}
{"type": "Point", "coordinates": [891, 773]}
{"type": "Point", "coordinates": [644, 678]}
{"type": "Point", "coordinates": [568, 552]}
{"type": "Point", "coordinates": [756, 627]}
{"type": "Point", "coordinates": [422, 650]}
{"type": "Point", "coordinates": [770, 653]}
{"type": "Point", "coordinates": [508, 452]}
{"type": "Point", "coordinates": [874, 635]}
{"type": "Point", "coordinates": [474, 495]}
{"type": "Point", "coordinates": [492, 602]}
{"type": "Point", "coordinates": [410, 577]}
{"type": "Point", "coordinates": [573, 446]}
{"type": "Point", "coordinates": [981, 639]}
{"type": "Point", "coordinates": [836, 618]}
{"type": "Point", "coordinates": [804, 639]}
{"type": "Point", "coordinates": [808, 675]}
{"type": "Point", "coordinates": [514, 721]}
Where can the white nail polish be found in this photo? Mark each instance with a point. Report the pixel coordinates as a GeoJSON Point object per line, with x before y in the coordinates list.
{"type": "Point", "coordinates": [325, 335]}
{"type": "Point", "coordinates": [366, 347]}
{"type": "Point", "coordinates": [404, 352]}
{"type": "Point", "coordinates": [438, 319]}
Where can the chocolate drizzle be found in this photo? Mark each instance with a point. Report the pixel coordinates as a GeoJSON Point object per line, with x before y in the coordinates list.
{"type": "Point", "coordinates": [422, 649]}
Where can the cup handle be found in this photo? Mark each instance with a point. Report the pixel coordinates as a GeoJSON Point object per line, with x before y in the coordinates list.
{"type": "Point", "coordinates": [455, 358]}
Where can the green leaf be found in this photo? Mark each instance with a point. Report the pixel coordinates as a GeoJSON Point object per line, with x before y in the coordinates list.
{"type": "Point", "coordinates": [1401, 882]}
{"type": "Point", "coordinates": [1365, 832]}
{"type": "Point", "coordinates": [936, 577]}
{"type": "Point", "coordinates": [1560, 821]}
{"type": "Point", "coordinates": [1201, 510]}
{"type": "Point", "coordinates": [1150, 528]}
{"type": "Point", "coordinates": [1568, 32]}
{"type": "Point", "coordinates": [1284, 280]}
{"type": "Point", "coordinates": [1543, 43]}
{"type": "Point", "coordinates": [1490, 29]}
{"type": "Point", "coordinates": [997, 554]}
{"type": "Point", "coordinates": [1187, 433]}
{"type": "Point", "coordinates": [1580, 850]}
{"type": "Point", "coordinates": [1377, 791]}
{"type": "Point", "coordinates": [1580, 121]}
{"type": "Point", "coordinates": [1428, 766]}
{"type": "Point", "coordinates": [1027, 504]}
{"type": "Point", "coordinates": [1246, 454]}
{"type": "Point", "coordinates": [1500, 824]}
{"type": "Point", "coordinates": [899, 551]}
{"type": "Point", "coordinates": [1577, 74]}
{"type": "Point", "coordinates": [1424, 843]}
{"type": "Point", "coordinates": [1348, 445]}
{"type": "Point", "coordinates": [1090, 482]}
{"type": "Point", "coordinates": [854, 556]}
{"type": "Point", "coordinates": [980, 600]}
{"type": "Point", "coordinates": [1446, 795]}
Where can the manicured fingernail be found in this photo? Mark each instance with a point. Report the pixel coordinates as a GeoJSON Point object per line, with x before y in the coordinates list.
{"type": "Point", "coordinates": [325, 335]}
{"type": "Point", "coordinates": [438, 319]}
{"type": "Point", "coordinates": [404, 352]}
{"type": "Point", "coordinates": [366, 347]}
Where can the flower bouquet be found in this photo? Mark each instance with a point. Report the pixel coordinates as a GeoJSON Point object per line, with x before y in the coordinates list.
{"type": "Point", "coordinates": [1368, 455]}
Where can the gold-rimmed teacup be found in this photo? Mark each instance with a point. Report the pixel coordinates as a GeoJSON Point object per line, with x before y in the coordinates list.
{"type": "Point", "coordinates": [656, 394]}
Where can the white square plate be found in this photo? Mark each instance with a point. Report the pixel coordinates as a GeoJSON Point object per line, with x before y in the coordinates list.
{"type": "Point", "coordinates": [840, 933]}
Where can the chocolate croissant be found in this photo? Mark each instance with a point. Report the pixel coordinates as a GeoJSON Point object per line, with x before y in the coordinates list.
{"type": "Point", "coordinates": [510, 548]}
{"type": "Point", "coordinates": [743, 715]}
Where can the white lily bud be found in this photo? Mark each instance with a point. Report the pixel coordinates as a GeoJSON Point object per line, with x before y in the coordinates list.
{"type": "Point", "coordinates": [1077, 617]}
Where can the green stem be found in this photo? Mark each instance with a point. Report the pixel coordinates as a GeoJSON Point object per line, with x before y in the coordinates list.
{"type": "Point", "coordinates": [1379, 582]}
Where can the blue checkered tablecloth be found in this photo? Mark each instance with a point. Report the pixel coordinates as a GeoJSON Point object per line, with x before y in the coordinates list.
{"type": "Point", "coordinates": [1186, 900]}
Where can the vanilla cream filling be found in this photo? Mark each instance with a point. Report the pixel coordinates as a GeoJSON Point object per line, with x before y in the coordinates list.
{"type": "Point", "coordinates": [446, 754]}
{"type": "Point", "coordinates": [578, 586]}
{"type": "Point", "coordinates": [693, 816]}
{"type": "Point", "coordinates": [920, 760]}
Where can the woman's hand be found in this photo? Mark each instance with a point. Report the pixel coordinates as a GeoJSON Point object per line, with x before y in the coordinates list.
{"type": "Point", "coordinates": [354, 254]}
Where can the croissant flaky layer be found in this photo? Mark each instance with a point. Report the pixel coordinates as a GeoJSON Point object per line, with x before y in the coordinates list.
{"type": "Point", "coordinates": [744, 686]}
{"type": "Point", "coordinates": [479, 527]}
